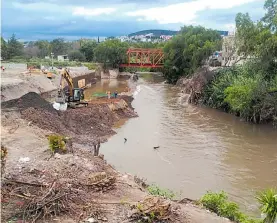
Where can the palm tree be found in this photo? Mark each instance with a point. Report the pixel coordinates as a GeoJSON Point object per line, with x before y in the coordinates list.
{"type": "Point", "coordinates": [268, 201]}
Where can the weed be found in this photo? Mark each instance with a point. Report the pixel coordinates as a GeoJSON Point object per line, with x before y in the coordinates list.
{"type": "Point", "coordinates": [57, 143]}
{"type": "Point", "coordinates": [157, 191]}
{"type": "Point", "coordinates": [268, 201]}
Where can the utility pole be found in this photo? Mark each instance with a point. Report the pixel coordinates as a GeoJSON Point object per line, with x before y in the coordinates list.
{"type": "Point", "coordinates": [52, 55]}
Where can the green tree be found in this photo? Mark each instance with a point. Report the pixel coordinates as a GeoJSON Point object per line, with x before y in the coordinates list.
{"type": "Point", "coordinates": [59, 46]}
{"type": "Point", "coordinates": [76, 55]}
{"type": "Point", "coordinates": [258, 40]}
{"type": "Point", "coordinates": [246, 34]}
{"type": "Point", "coordinates": [270, 18]}
{"type": "Point", "coordinates": [14, 47]}
{"type": "Point", "coordinates": [188, 51]}
{"type": "Point", "coordinates": [4, 48]}
{"type": "Point", "coordinates": [31, 51]}
{"type": "Point", "coordinates": [87, 48]}
{"type": "Point", "coordinates": [44, 48]}
{"type": "Point", "coordinates": [111, 52]}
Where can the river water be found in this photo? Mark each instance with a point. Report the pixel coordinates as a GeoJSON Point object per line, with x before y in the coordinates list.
{"type": "Point", "coordinates": [200, 148]}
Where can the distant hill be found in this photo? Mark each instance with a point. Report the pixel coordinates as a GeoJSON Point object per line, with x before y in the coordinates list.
{"type": "Point", "coordinates": [160, 32]}
{"type": "Point", "coordinates": [156, 32]}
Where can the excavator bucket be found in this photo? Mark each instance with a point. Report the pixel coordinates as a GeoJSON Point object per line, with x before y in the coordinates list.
{"type": "Point", "coordinates": [60, 107]}
{"type": "Point", "coordinates": [60, 103]}
{"type": "Point", "coordinates": [60, 97]}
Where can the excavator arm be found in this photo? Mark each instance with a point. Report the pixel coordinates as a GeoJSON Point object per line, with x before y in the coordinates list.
{"type": "Point", "coordinates": [66, 76]}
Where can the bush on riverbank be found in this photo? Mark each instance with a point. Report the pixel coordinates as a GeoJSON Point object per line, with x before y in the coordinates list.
{"type": "Point", "coordinates": [219, 204]}
{"type": "Point", "coordinates": [157, 191]}
{"type": "Point", "coordinates": [244, 91]}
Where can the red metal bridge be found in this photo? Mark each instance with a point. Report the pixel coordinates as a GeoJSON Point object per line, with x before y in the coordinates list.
{"type": "Point", "coordinates": [140, 57]}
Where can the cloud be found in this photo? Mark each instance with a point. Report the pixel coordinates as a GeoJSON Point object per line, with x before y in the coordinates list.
{"type": "Point", "coordinates": [48, 19]}
{"type": "Point", "coordinates": [40, 6]}
{"type": "Point", "coordinates": [230, 26]}
{"type": "Point", "coordinates": [184, 12]}
{"type": "Point", "coordinates": [81, 11]}
{"type": "Point", "coordinates": [51, 18]}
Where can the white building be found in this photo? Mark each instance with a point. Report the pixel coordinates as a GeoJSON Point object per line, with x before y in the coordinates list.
{"type": "Point", "coordinates": [62, 58]}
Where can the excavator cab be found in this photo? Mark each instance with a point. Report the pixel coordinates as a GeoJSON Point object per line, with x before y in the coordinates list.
{"type": "Point", "coordinates": [69, 95]}
{"type": "Point", "coordinates": [77, 94]}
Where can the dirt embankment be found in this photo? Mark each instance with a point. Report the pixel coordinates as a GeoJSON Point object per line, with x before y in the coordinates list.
{"type": "Point", "coordinates": [84, 125]}
{"type": "Point", "coordinates": [75, 186]}
{"type": "Point", "coordinates": [15, 82]}
{"type": "Point", "coordinates": [194, 86]}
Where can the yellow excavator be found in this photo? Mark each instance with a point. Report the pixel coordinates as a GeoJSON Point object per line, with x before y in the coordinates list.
{"type": "Point", "coordinates": [69, 96]}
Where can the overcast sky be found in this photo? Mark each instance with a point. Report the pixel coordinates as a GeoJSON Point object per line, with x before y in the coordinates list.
{"type": "Point", "coordinates": [72, 19]}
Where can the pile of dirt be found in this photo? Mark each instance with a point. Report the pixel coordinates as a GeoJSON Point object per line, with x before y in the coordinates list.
{"type": "Point", "coordinates": [84, 125]}
{"type": "Point", "coordinates": [28, 100]}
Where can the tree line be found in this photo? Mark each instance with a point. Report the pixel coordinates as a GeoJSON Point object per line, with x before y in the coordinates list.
{"type": "Point", "coordinates": [111, 52]}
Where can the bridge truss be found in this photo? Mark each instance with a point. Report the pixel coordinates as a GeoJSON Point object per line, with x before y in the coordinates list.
{"type": "Point", "coordinates": [140, 57]}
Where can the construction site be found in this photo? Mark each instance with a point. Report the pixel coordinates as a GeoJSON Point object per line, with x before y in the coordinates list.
{"type": "Point", "coordinates": [51, 171]}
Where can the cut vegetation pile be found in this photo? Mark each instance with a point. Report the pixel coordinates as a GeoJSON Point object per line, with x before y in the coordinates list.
{"type": "Point", "coordinates": [79, 187]}
{"type": "Point", "coordinates": [40, 192]}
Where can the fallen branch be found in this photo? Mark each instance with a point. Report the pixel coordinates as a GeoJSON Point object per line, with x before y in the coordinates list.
{"type": "Point", "coordinates": [10, 181]}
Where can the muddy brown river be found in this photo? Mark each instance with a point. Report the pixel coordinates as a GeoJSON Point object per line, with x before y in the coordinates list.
{"type": "Point", "coordinates": [200, 148]}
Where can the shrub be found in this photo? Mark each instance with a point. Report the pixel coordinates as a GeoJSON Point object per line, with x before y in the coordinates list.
{"type": "Point", "coordinates": [241, 95]}
{"type": "Point", "coordinates": [213, 201]}
{"type": "Point", "coordinates": [90, 66]}
{"type": "Point", "coordinates": [244, 90]}
{"type": "Point", "coordinates": [214, 92]}
{"type": "Point", "coordinates": [219, 204]}
{"type": "Point", "coordinates": [76, 55]}
{"type": "Point", "coordinates": [268, 201]}
{"type": "Point", "coordinates": [57, 143]}
{"type": "Point", "coordinates": [230, 210]}
{"type": "Point", "coordinates": [156, 191]}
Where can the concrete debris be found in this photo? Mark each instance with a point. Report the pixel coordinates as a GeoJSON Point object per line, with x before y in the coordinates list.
{"type": "Point", "coordinates": [24, 159]}
{"type": "Point", "coordinates": [91, 220]}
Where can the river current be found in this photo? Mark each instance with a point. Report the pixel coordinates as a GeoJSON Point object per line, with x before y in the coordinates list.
{"type": "Point", "coordinates": [200, 148]}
